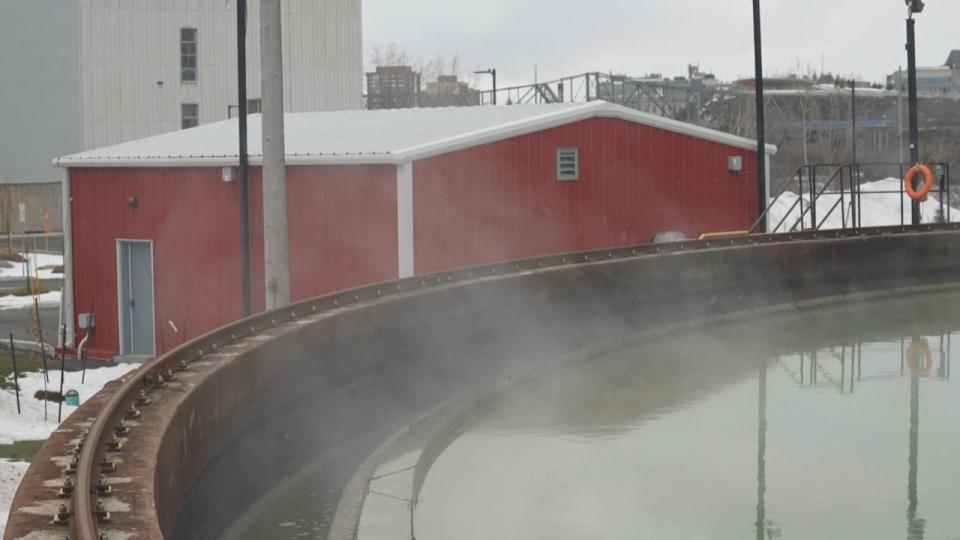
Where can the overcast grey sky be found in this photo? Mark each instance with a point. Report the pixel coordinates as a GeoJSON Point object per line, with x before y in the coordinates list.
{"type": "Point", "coordinates": [564, 37]}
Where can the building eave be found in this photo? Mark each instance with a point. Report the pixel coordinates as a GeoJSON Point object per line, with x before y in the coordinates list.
{"type": "Point", "coordinates": [552, 119]}
{"type": "Point", "coordinates": [225, 161]}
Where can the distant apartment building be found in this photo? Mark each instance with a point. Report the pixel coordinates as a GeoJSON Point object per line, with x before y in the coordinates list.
{"type": "Point", "coordinates": [943, 79]}
{"type": "Point", "coordinates": [81, 74]}
{"type": "Point", "coordinates": [401, 87]}
{"type": "Point", "coordinates": [449, 91]}
{"type": "Point", "coordinates": [393, 87]}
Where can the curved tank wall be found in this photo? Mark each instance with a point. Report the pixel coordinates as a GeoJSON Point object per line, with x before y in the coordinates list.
{"type": "Point", "coordinates": [337, 376]}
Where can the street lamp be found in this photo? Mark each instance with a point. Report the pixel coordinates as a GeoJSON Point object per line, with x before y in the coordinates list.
{"type": "Point", "coordinates": [492, 72]}
{"type": "Point", "coordinates": [242, 160]}
{"type": "Point", "coordinates": [913, 6]}
{"type": "Point", "coordinates": [761, 130]}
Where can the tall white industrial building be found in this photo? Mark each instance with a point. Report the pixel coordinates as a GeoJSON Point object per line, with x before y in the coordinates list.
{"type": "Point", "coordinates": [79, 74]}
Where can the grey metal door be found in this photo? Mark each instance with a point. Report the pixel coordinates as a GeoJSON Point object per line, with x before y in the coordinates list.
{"type": "Point", "coordinates": [135, 265]}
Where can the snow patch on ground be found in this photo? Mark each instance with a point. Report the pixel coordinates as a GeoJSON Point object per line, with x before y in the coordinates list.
{"type": "Point", "coordinates": [877, 209]}
{"type": "Point", "coordinates": [49, 299]}
{"type": "Point", "coordinates": [11, 472]}
{"type": "Point", "coordinates": [30, 425]}
{"type": "Point", "coordinates": [45, 262]}
{"type": "Point", "coordinates": [34, 424]}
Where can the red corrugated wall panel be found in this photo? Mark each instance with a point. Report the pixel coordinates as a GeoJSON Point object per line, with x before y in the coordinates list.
{"type": "Point", "coordinates": [343, 223]}
{"type": "Point", "coordinates": [342, 226]}
{"type": "Point", "coordinates": [501, 200]}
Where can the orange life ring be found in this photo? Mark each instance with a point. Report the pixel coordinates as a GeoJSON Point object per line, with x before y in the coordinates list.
{"type": "Point", "coordinates": [912, 360]}
{"type": "Point", "coordinates": [924, 188]}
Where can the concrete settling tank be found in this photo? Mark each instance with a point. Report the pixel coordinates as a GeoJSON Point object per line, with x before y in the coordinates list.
{"type": "Point", "coordinates": [282, 425]}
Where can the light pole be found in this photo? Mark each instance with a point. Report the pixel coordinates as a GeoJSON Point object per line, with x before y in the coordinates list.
{"type": "Point", "coordinates": [855, 167]}
{"type": "Point", "coordinates": [242, 156]}
{"type": "Point", "coordinates": [761, 133]}
{"type": "Point", "coordinates": [853, 116]}
{"type": "Point", "coordinates": [492, 72]}
{"type": "Point", "coordinates": [913, 6]}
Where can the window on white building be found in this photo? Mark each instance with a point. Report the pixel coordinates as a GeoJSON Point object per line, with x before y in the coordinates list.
{"type": "Point", "coordinates": [189, 115]}
{"type": "Point", "coordinates": [188, 55]}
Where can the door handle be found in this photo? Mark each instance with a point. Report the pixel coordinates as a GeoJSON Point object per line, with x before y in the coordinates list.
{"type": "Point", "coordinates": [133, 303]}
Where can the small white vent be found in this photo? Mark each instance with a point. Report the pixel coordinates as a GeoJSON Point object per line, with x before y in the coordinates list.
{"type": "Point", "coordinates": [568, 164]}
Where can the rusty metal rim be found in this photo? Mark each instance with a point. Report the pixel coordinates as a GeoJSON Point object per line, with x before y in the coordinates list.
{"type": "Point", "coordinates": [84, 524]}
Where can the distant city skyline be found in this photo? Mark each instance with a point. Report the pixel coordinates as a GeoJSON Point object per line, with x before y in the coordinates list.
{"type": "Point", "coordinates": [861, 38]}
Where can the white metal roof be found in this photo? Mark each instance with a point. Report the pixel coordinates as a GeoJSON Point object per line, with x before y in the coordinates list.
{"type": "Point", "coordinates": [380, 136]}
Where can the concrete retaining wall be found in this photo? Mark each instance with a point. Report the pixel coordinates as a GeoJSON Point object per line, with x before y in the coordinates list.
{"type": "Point", "coordinates": [338, 382]}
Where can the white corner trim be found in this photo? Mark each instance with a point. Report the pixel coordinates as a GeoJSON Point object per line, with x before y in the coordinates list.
{"type": "Point", "coordinates": [405, 220]}
{"type": "Point", "coordinates": [67, 313]}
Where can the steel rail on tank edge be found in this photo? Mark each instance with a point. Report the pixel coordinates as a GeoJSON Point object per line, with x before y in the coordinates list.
{"type": "Point", "coordinates": [153, 374]}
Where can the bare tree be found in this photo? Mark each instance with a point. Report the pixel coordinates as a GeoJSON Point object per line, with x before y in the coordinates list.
{"type": "Point", "coordinates": [390, 54]}
{"type": "Point", "coordinates": [439, 66]}
{"type": "Point", "coordinates": [455, 66]}
{"type": "Point", "coordinates": [433, 69]}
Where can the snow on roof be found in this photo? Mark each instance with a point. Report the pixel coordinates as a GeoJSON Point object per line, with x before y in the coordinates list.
{"type": "Point", "coordinates": [379, 136]}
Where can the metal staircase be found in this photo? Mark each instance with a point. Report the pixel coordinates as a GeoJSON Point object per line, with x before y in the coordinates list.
{"type": "Point", "coordinates": [825, 190]}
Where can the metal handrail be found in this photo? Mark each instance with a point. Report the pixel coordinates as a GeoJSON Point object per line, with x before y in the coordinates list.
{"type": "Point", "coordinates": [783, 190]}
{"type": "Point", "coordinates": [84, 520]}
{"type": "Point", "coordinates": [855, 217]}
{"type": "Point", "coordinates": [830, 212]}
{"type": "Point", "coordinates": [812, 208]}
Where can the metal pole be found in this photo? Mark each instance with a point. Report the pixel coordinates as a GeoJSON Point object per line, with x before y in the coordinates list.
{"type": "Point", "coordinates": [63, 337]}
{"type": "Point", "coordinates": [813, 199]}
{"type": "Point", "coordinates": [536, 84]}
{"type": "Point", "coordinates": [900, 189]}
{"type": "Point", "coordinates": [914, 122]}
{"type": "Point", "coordinates": [855, 169]}
{"type": "Point", "coordinates": [946, 175]}
{"type": "Point", "coordinates": [276, 256]}
{"type": "Point", "coordinates": [493, 72]}
{"type": "Point", "coordinates": [16, 375]}
{"type": "Point", "coordinates": [843, 207]}
{"type": "Point", "coordinates": [90, 330]}
{"type": "Point", "coordinates": [43, 348]}
{"type": "Point", "coordinates": [761, 135]}
{"type": "Point", "coordinates": [243, 171]}
{"type": "Point", "coordinates": [853, 116]}
{"type": "Point", "coordinates": [900, 110]}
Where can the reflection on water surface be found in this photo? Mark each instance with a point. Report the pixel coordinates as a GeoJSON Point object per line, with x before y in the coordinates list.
{"type": "Point", "coordinates": [837, 423]}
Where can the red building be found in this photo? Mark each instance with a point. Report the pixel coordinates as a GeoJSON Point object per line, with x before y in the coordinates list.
{"type": "Point", "coordinates": [151, 226]}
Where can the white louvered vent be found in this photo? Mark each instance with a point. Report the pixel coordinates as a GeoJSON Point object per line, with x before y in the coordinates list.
{"type": "Point", "coordinates": [568, 164]}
